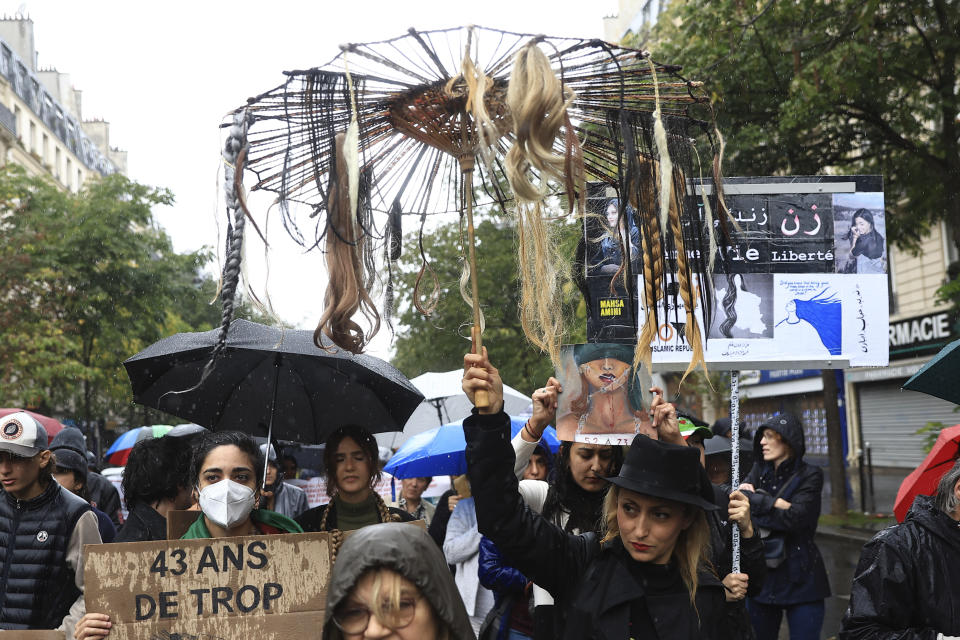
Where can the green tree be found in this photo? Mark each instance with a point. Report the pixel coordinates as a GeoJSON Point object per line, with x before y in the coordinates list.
{"type": "Point", "coordinates": [88, 280]}
{"type": "Point", "coordinates": [828, 87]}
{"type": "Point", "coordinates": [438, 342]}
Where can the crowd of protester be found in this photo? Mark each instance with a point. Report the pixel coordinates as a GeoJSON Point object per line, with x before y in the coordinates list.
{"type": "Point", "coordinates": [594, 541]}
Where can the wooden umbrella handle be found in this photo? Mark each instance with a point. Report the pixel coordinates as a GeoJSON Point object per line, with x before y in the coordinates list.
{"type": "Point", "coordinates": [481, 400]}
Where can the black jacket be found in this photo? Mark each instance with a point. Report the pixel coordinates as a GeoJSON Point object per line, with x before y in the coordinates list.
{"type": "Point", "coordinates": [802, 577]}
{"type": "Point", "coordinates": [104, 496]}
{"type": "Point", "coordinates": [595, 584]}
{"type": "Point", "coordinates": [143, 523]}
{"type": "Point", "coordinates": [311, 518]}
{"type": "Point", "coordinates": [752, 562]}
{"type": "Point", "coordinates": [907, 584]}
{"type": "Point", "coordinates": [37, 585]}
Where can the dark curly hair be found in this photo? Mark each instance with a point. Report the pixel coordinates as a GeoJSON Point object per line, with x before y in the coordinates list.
{"type": "Point", "coordinates": [156, 470]}
{"type": "Point", "coordinates": [565, 495]}
{"type": "Point", "coordinates": [210, 441]}
{"type": "Point", "coordinates": [367, 444]}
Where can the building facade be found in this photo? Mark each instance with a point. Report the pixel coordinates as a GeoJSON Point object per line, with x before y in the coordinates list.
{"type": "Point", "coordinates": [41, 126]}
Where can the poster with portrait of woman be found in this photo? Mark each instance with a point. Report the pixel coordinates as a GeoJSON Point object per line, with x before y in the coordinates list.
{"type": "Point", "coordinates": [602, 400]}
{"type": "Point", "coordinates": [860, 232]}
{"type": "Point", "coordinates": [612, 258]}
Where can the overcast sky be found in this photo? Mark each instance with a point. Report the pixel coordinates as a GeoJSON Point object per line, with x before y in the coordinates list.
{"type": "Point", "coordinates": [164, 74]}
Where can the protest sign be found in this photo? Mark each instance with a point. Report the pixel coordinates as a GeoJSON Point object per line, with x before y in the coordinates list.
{"type": "Point", "coordinates": [43, 634]}
{"type": "Point", "coordinates": [801, 281]}
{"type": "Point", "coordinates": [265, 587]}
{"type": "Point", "coordinates": [601, 401]}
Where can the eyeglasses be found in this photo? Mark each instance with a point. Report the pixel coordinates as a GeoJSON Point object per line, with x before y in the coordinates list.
{"type": "Point", "coordinates": [353, 618]}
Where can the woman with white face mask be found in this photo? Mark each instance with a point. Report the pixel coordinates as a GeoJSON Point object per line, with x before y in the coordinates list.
{"type": "Point", "coordinates": [227, 474]}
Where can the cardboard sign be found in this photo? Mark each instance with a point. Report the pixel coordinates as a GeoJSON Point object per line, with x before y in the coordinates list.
{"type": "Point", "coordinates": [44, 634]}
{"type": "Point", "coordinates": [269, 587]}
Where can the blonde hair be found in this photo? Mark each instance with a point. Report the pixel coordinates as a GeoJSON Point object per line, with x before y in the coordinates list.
{"type": "Point", "coordinates": [537, 101]}
{"type": "Point", "coordinates": [386, 592]}
{"type": "Point", "coordinates": [692, 549]}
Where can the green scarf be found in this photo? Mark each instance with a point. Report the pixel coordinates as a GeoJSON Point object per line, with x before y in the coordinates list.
{"type": "Point", "coordinates": [199, 528]}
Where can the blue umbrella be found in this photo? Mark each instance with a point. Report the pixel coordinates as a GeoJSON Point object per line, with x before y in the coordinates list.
{"type": "Point", "coordinates": [440, 451]}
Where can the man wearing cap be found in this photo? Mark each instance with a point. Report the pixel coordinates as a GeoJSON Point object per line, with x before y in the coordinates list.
{"type": "Point", "coordinates": [100, 492]}
{"type": "Point", "coordinates": [43, 528]}
{"type": "Point", "coordinates": [277, 495]}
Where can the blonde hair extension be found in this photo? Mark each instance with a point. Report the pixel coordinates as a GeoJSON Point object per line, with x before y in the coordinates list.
{"type": "Point", "coordinates": [537, 102]}
{"type": "Point", "coordinates": [663, 151]}
{"type": "Point", "coordinates": [693, 336]}
{"type": "Point", "coordinates": [477, 83]}
{"type": "Point", "coordinates": [538, 107]}
{"type": "Point", "coordinates": [540, 268]}
{"type": "Point", "coordinates": [346, 293]}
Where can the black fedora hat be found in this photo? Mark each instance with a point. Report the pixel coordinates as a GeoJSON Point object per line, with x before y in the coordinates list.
{"type": "Point", "coordinates": [665, 470]}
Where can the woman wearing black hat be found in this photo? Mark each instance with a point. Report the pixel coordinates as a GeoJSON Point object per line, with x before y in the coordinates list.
{"type": "Point", "coordinates": [648, 576]}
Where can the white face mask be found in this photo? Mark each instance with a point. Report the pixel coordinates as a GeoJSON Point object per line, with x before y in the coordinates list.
{"type": "Point", "coordinates": [227, 503]}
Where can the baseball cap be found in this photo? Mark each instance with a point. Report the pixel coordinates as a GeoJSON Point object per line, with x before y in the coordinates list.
{"type": "Point", "coordinates": [688, 428]}
{"type": "Point", "coordinates": [22, 435]}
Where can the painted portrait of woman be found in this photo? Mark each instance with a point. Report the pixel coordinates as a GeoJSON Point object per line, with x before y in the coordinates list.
{"type": "Point", "coordinates": [605, 395]}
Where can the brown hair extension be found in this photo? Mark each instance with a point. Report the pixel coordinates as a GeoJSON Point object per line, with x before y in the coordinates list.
{"type": "Point", "coordinates": [693, 336]}
{"type": "Point", "coordinates": [653, 268]}
{"type": "Point", "coordinates": [346, 293]}
{"type": "Point", "coordinates": [692, 549]}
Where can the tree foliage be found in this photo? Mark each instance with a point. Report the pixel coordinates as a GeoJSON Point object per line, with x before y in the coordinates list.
{"type": "Point", "coordinates": [88, 280]}
{"type": "Point", "coordinates": [438, 342]}
{"type": "Point", "coordinates": [845, 86]}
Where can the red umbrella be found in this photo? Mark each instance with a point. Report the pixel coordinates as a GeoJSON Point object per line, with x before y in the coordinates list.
{"type": "Point", "coordinates": [923, 480]}
{"type": "Point", "coordinates": [52, 426]}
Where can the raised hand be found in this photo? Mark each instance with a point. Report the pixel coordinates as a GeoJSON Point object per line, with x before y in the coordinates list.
{"type": "Point", "coordinates": [479, 375]}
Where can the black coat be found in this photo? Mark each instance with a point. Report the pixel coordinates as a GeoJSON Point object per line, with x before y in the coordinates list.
{"type": "Point", "coordinates": [907, 584]}
{"type": "Point", "coordinates": [143, 523]}
{"type": "Point", "coordinates": [802, 577]}
{"type": "Point", "coordinates": [752, 562]}
{"type": "Point", "coordinates": [595, 584]}
{"type": "Point", "coordinates": [104, 496]}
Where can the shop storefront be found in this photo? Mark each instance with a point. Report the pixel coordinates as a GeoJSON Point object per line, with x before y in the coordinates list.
{"type": "Point", "coordinates": [886, 418]}
{"type": "Point", "coordinates": [800, 391]}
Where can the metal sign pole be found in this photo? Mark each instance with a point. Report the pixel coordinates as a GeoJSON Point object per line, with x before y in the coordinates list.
{"type": "Point", "coordinates": [735, 456]}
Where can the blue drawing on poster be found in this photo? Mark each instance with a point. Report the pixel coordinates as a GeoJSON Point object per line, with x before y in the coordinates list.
{"type": "Point", "coordinates": [824, 313]}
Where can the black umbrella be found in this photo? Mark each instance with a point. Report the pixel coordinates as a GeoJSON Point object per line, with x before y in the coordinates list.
{"type": "Point", "coordinates": [269, 379]}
